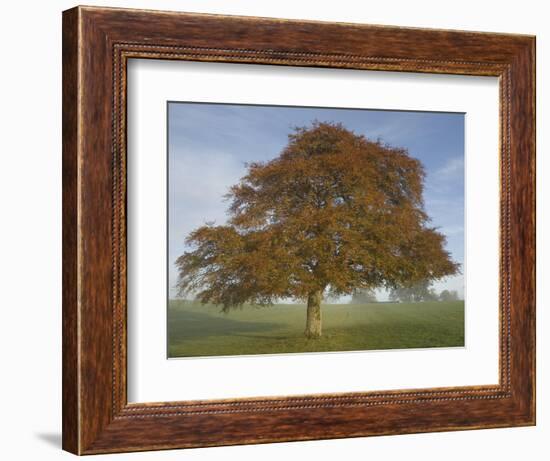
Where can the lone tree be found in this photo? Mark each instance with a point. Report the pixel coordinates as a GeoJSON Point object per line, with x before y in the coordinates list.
{"type": "Point", "coordinates": [333, 213]}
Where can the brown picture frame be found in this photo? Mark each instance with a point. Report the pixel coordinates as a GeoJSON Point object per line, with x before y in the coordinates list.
{"type": "Point", "coordinates": [97, 43]}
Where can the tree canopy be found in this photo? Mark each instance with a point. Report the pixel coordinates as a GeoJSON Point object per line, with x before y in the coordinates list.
{"type": "Point", "coordinates": [333, 213]}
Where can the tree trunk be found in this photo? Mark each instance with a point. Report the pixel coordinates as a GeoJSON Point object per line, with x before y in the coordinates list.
{"type": "Point", "coordinates": [313, 323]}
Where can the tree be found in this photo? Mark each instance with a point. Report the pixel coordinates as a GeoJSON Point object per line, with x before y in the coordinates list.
{"type": "Point", "coordinates": [414, 293]}
{"type": "Point", "coordinates": [364, 296]}
{"type": "Point", "coordinates": [447, 295]}
{"type": "Point", "coordinates": [333, 213]}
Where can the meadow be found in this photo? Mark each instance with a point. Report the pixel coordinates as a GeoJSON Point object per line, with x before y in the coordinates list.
{"type": "Point", "coordinates": [196, 330]}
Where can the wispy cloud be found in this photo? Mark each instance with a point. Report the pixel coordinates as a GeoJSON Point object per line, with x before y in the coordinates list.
{"type": "Point", "coordinates": [453, 168]}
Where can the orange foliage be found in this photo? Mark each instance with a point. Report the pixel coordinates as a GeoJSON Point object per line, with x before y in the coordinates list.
{"type": "Point", "coordinates": [334, 211]}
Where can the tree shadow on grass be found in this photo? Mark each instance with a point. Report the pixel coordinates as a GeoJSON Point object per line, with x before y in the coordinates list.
{"type": "Point", "coordinates": [189, 326]}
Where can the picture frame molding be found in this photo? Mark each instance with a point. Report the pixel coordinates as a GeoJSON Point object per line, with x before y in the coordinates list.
{"type": "Point", "coordinates": [97, 44]}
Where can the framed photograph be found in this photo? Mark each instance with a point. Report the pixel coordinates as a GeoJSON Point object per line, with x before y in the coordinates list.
{"type": "Point", "coordinates": [281, 230]}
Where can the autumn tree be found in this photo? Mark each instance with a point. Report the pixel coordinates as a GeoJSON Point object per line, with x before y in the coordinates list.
{"type": "Point", "coordinates": [333, 213]}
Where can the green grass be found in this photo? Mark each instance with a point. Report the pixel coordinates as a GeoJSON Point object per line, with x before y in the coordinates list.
{"type": "Point", "coordinates": [197, 330]}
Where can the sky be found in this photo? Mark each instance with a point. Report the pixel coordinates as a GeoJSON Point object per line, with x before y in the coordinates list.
{"type": "Point", "coordinates": [209, 144]}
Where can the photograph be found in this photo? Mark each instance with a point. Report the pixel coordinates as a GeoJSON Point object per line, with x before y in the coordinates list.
{"type": "Point", "coordinates": [313, 229]}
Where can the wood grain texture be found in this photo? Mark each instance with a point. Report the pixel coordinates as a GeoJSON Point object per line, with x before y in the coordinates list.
{"type": "Point", "coordinates": [70, 384]}
{"type": "Point", "coordinates": [97, 42]}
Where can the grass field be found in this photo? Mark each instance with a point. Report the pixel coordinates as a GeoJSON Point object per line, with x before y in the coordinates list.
{"type": "Point", "coordinates": [196, 330]}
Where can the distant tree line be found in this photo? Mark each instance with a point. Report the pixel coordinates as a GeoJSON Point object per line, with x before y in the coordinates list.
{"type": "Point", "coordinates": [363, 297]}
{"type": "Point", "coordinates": [420, 292]}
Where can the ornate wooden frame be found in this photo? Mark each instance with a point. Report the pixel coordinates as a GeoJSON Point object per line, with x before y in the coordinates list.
{"type": "Point", "coordinates": [97, 43]}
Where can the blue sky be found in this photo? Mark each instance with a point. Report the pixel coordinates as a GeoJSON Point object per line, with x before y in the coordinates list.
{"type": "Point", "coordinates": [209, 144]}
